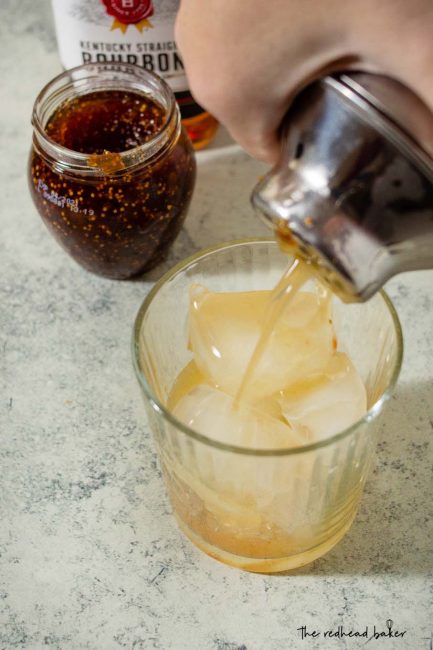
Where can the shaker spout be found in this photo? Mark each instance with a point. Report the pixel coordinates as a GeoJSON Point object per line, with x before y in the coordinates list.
{"type": "Point", "coordinates": [342, 254]}
{"type": "Point", "coordinates": [283, 199]}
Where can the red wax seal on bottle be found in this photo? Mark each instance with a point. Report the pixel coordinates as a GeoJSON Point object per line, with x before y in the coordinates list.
{"type": "Point", "coordinates": [129, 11]}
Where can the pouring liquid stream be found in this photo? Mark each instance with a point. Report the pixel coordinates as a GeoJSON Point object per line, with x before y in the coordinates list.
{"type": "Point", "coordinates": [296, 275]}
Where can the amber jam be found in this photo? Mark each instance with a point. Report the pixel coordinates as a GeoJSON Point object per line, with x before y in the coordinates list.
{"type": "Point", "coordinates": [116, 191]}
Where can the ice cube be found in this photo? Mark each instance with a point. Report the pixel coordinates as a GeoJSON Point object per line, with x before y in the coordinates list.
{"type": "Point", "coordinates": [186, 380]}
{"type": "Point", "coordinates": [224, 329]}
{"type": "Point", "coordinates": [212, 413]}
{"type": "Point", "coordinates": [327, 402]}
{"type": "Point", "coordinates": [240, 490]}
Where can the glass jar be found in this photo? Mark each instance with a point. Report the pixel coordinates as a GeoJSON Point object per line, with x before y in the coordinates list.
{"type": "Point", "coordinates": [263, 510]}
{"type": "Point", "coordinates": [116, 212]}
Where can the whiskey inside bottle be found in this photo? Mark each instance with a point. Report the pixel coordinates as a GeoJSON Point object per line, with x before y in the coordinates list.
{"type": "Point", "coordinates": [200, 125]}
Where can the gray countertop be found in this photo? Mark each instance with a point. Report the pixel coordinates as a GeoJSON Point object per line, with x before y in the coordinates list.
{"type": "Point", "coordinates": [90, 555]}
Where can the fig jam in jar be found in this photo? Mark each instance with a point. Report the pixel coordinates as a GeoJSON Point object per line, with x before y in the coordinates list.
{"type": "Point", "coordinates": [111, 169]}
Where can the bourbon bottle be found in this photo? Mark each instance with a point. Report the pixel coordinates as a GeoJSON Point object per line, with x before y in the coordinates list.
{"type": "Point", "coordinates": [139, 32]}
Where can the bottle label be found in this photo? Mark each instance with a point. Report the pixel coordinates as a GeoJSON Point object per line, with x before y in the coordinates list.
{"type": "Point", "coordinates": [121, 31]}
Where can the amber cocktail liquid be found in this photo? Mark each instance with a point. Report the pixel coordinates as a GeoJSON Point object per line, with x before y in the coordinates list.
{"type": "Point", "coordinates": [266, 373]}
{"type": "Point", "coordinates": [257, 392]}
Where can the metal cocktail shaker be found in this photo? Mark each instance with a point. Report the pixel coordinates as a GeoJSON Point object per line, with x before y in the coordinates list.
{"type": "Point", "coordinates": [353, 189]}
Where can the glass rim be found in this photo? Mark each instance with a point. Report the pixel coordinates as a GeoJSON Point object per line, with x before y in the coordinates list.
{"type": "Point", "coordinates": [165, 413]}
{"type": "Point", "coordinates": [78, 161]}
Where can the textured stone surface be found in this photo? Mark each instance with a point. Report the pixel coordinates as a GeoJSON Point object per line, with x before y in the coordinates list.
{"type": "Point", "coordinates": [90, 556]}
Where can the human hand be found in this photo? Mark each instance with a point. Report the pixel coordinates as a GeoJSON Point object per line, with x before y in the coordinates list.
{"type": "Point", "coordinates": [246, 60]}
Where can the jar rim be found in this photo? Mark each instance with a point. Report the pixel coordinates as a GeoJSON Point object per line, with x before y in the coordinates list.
{"type": "Point", "coordinates": [91, 77]}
